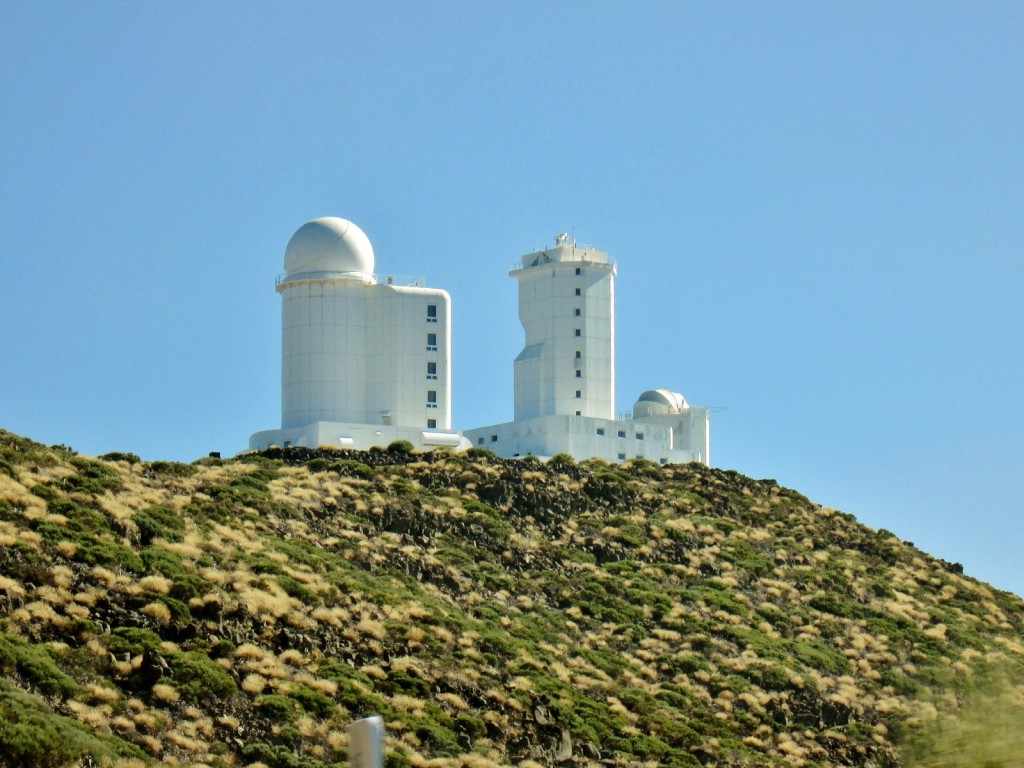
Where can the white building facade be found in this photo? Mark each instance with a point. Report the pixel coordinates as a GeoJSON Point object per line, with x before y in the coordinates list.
{"type": "Point", "coordinates": [364, 361]}
{"type": "Point", "coordinates": [565, 373]}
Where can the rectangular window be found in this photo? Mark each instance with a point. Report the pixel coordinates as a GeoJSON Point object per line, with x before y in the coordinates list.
{"type": "Point", "coordinates": [431, 398]}
{"type": "Point", "coordinates": [578, 354]}
{"type": "Point", "coordinates": [622, 433]}
{"type": "Point", "coordinates": [577, 291]}
{"type": "Point", "coordinates": [431, 423]}
{"type": "Point", "coordinates": [431, 342]}
{"type": "Point", "coordinates": [494, 438]}
{"type": "Point", "coordinates": [579, 374]}
{"type": "Point", "coordinates": [577, 312]}
{"type": "Point", "coordinates": [579, 332]}
{"type": "Point", "coordinates": [600, 430]}
{"type": "Point", "coordinates": [431, 313]}
{"type": "Point", "coordinates": [579, 413]}
{"type": "Point", "coordinates": [479, 441]}
{"type": "Point", "coordinates": [639, 435]}
{"type": "Point", "coordinates": [578, 271]}
{"type": "Point", "coordinates": [579, 393]}
{"type": "Point", "coordinates": [663, 461]}
{"type": "Point", "coordinates": [431, 370]}
{"type": "Point", "coordinates": [622, 457]}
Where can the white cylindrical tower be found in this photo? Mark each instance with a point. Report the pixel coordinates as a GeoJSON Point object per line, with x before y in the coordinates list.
{"type": "Point", "coordinates": [567, 308]}
{"type": "Point", "coordinates": [324, 314]}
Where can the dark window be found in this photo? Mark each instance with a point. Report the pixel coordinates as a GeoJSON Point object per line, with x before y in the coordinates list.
{"type": "Point", "coordinates": [579, 332]}
{"type": "Point", "coordinates": [431, 342]}
{"type": "Point", "coordinates": [432, 312]}
{"type": "Point", "coordinates": [479, 441]}
{"type": "Point", "coordinates": [494, 438]}
{"type": "Point", "coordinates": [639, 435]}
{"type": "Point", "coordinates": [578, 354]}
{"type": "Point", "coordinates": [579, 393]}
{"type": "Point", "coordinates": [431, 398]}
{"type": "Point", "coordinates": [431, 423]}
{"type": "Point", "coordinates": [577, 312]}
{"type": "Point", "coordinates": [431, 370]}
{"type": "Point", "coordinates": [622, 433]}
{"type": "Point", "coordinates": [577, 291]}
{"type": "Point", "coordinates": [622, 457]}
{"type": "Point", "coordinates": [578, 271]}
{"type": "Point", "coordinates": [663, 461]}
{"type": "Point", "coordinates": [600, 430]}
{"type": "Point", "coordinates": [579, 374]}
{"type": "Point", "coordinates": [579, 413]}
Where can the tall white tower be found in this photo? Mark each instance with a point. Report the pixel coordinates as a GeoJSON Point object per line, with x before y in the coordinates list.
{"type": "Point", "coordinates": [567, 308]}
{"type": "Point", "coordinates": [363, 361]}
{"type": "Point", "coordinates": [565, 373]}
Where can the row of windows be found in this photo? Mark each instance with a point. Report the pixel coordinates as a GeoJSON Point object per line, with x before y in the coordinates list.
{"type": "Point", "coordinates": [619, 433]}
{"type": "Point", "coordinates": [431, 365]}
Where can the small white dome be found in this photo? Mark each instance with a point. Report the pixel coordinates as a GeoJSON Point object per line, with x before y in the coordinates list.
{"type": "Point", "coordinates": [329, 244]}
{"type": "Point", "coordinates": [659, 402]}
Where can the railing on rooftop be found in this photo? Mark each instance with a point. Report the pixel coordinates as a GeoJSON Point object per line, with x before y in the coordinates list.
{"type": "Point", "coordinates": [402, 280]}
{"type": "Point", "coordinates": [579, 255]}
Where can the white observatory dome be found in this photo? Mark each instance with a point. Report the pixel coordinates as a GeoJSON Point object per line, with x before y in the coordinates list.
{"type": "Point", "coordinates": [329, 244]}
{"type": "Point", "coordinates": [659, 402]}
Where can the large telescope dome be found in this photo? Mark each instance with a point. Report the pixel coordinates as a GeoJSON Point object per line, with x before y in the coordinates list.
{"type": "Point", "coordinates": [331, 245]}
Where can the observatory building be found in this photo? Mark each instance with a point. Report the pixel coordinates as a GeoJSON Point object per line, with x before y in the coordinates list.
{"type": "Point", "coordinates": [364, 361]}
{"type": "Point", "coordinates": [565, 373]}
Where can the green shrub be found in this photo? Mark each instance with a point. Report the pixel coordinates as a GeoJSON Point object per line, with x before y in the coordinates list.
{"type": "Point", "coordinates": [34, 665]}
{"type": "Point", "coordinates": [93, 477]}
{"type": "Point", "coordinates": [16, 450]}
{"type": "Point", "coordinates": [133, 640]}
{"type": "Point", "coordinates": [278, 708]}
{"type": "Point", "coordinates": [278, 756]}
{"type": "Point", "coordinates": [352, 468]}
{"type": "Point", "coordinates": [185, 584]}
{"type": "Point", "coordinates": [158, 522]}
{"type": "Point", "coordinates": [438, 739]}
{"type": "Point", "coordinates": [401, 446]}
{"type": "Point", "coordinates": [174, 468]}
{"type": "Point", "coordinates": [313, 702]}
{"type": "Point", "coordinates": [197, 677]}
{"type": "Point", "coordinates": [817, 655]}
{"type": "Point", "coordinates": [473, 727]}
{"type": "Point", "coordinates": [131, 458]}
{"type": "Point", "coordinates": [31, 734]}
{"type": "Point", "coordinates": [295, 589]}
{"type": "Point", "coordinates": [561, 460]}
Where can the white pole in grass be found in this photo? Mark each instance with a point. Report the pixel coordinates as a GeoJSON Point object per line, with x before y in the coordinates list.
{"type": "Point", "coordinates": [366, 743]}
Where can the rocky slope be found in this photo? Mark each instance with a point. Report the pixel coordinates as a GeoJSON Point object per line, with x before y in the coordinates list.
{"type": "Point", "coordinates": [242, 612]}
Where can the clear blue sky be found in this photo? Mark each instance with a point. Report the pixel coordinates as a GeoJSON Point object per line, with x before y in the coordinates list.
{"type": "Point", "coordinates": [816, 209]}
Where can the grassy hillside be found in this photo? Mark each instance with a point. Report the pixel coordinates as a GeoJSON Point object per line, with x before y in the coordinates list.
{"type": "Point", "coordinates": [242, 612]}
